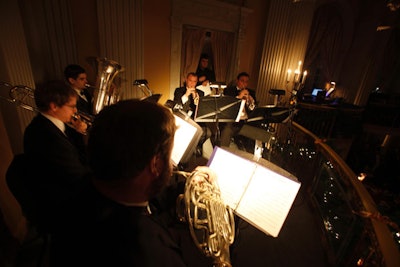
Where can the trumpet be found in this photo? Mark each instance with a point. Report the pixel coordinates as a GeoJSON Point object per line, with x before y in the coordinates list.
{"type": "Point", "coordinates": [211, 222]}
{"type": "Point", "coordinates": [84, 117]}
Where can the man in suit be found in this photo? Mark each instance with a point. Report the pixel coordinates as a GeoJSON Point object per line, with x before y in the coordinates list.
{"type": "Point", "coordinates": [76, 77]}
{"type": "Point", "coordinates": [188, 96]}
{"type": "Point", "coordinates": [111, 222]}
{"type": "Point", "coordinates": [239, 90]}
{"type": "Point", "coordinates": [56, 164]}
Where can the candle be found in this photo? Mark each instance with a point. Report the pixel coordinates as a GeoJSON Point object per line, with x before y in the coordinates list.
{"type": "Point", "coordinates": [289, 73]}
{"type": "Point", "coordinates": [296, 75]}
{"type": "Point", "coordinates": [304, 77]}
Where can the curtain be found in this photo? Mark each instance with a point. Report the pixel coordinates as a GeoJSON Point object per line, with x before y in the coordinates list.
{"type": "Point", "coordinates": [222, 46]}
{"type": "Point", "coordinates": [193, 42]}
{"type": "Point", "coordinates": [388, 79]}
{"type": "Point", "coordinates": [192, 45]}
{"type": "Point", "coordinates": [325, 42]}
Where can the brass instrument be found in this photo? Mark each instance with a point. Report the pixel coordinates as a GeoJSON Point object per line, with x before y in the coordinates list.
{"type": "Point", "coordinates": [21, 95]}
{"type": "Point", "coordinates": [24, 97]}
{"type": "Point", "coordinates": [106, 92]}
{"type": "Point", "coordinates": [211, 222]}
{"type": "Point", "coordinates": [86, 118]}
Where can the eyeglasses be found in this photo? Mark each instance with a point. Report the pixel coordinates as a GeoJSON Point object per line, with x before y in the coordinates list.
{"type": "Point", "coordinates": [71, 106]}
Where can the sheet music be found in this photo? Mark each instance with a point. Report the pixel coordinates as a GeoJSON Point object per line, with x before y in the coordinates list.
{"type": "Point", "coordinates": [257, 194]}
{"type": "Point", "coordinates": [241, 110]}
{"type": "Point", "coordinates": [183, 136]}
{"type": "Point", "coordinates": [232, 176]}
{"type": "Point", "coordinates": [268, 200]}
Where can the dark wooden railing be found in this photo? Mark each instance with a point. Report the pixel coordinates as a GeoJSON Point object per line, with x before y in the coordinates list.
{"type": "Point", "coordinates": [353, 231]}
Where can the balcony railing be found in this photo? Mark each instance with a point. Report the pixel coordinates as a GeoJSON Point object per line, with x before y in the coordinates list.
{"type": "Point", "coordinates": [353, 231]}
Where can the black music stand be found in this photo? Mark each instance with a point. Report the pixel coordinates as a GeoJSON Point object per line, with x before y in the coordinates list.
{"type": "Point", "coordinates": [152, 98]}
{"type": "Point", "coordinates": [269, 114]}
{"type": "Point", "coordinates": [218, 109]}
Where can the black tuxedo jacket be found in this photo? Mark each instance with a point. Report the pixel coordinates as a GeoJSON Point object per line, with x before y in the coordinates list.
{"type": "Point", "coordinates": [83, 105]}
{"type": "Point", "coordinates": [57, 167]}
{"type": "Point", "coordinates": [101, 232]}
{"type": "Point", "coordinates": [189, 105]}
{"type": "Point", "coordinates": [233, 91]}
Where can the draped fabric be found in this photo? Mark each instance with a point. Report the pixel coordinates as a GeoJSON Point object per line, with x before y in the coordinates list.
{"type": "Point", "coordinates": [325, 43]}
{"type": "Point", "coordinates": [389, 81]}
{"type": "Point", "coordinates": [192, 44]}
{"type": "Point", "coordinates": [222, 46]}
{"type": "Point", "coordinates": [193, 41]}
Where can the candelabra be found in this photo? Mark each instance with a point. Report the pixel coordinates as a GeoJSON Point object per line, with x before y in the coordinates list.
{"type": "Point", "coordinates": [295, 82]}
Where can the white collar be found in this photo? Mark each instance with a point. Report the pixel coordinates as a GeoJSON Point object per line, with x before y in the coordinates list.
{"type": "Point", "coordinates": [58, 123]}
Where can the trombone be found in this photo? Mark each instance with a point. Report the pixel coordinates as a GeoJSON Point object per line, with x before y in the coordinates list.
{"type": "Point", "coordinates": [23, 96]}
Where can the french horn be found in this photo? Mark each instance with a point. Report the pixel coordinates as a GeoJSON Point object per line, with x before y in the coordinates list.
{"type": "Point", "coordinates": [210, 221]}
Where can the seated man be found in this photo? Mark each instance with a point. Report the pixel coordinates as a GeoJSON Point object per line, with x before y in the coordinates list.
{"type": "Point", "coordinates": [188, 98]}
{"type": "Point", "coordinates": [76, 77]}
{"type": "Point", "coordinates": [110, 223]}
{"type": "Point", "coordinates": [240, 90]}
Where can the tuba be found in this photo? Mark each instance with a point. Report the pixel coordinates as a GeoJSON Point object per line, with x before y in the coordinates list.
{"type": "Point", "coordinates": [106, 92]}
{"type": "Point", "coordinates": [211, 222]}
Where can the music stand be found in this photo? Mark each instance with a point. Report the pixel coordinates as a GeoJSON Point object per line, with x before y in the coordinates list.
{"type": "Point", "coordinates": [269, 115]}
{"type": "Point", "coordinates": [152, 98]}
{"type": "Point", "coordinates": [260, 133]}
{"type": "Point", "coordinates": [218, 109]}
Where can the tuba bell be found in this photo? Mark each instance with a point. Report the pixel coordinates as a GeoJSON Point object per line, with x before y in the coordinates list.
{"type": "Point", "coordinates": [106, 92]}
{"type": "Point", "coordinates": [210, 221]}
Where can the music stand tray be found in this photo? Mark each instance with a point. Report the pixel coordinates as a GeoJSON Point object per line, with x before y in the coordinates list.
{"type": "Point", "coordinates": [152, 98]}
{"type": "Point", "coordinates": [218, 109]}
{"type": "Point", "coordinates": [267, 114]}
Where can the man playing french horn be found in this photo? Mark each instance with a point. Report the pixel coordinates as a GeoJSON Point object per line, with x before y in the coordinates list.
{"type": "Point", "coordinates": [111, 222]}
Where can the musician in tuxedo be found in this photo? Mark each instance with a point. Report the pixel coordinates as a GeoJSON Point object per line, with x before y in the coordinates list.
{"type": "Point", "coordinates": [188, 96]}
{"type": "Point", "coordinates": [241, 83]}
{"type": "Point", "coordinates": [76, 77]}
{"type": "Point", "coordinates": [56, 164]}
{"type": "Point", "coordinates": [239, 90]}
{"type": "Point", "coordinates": [111, 223]}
